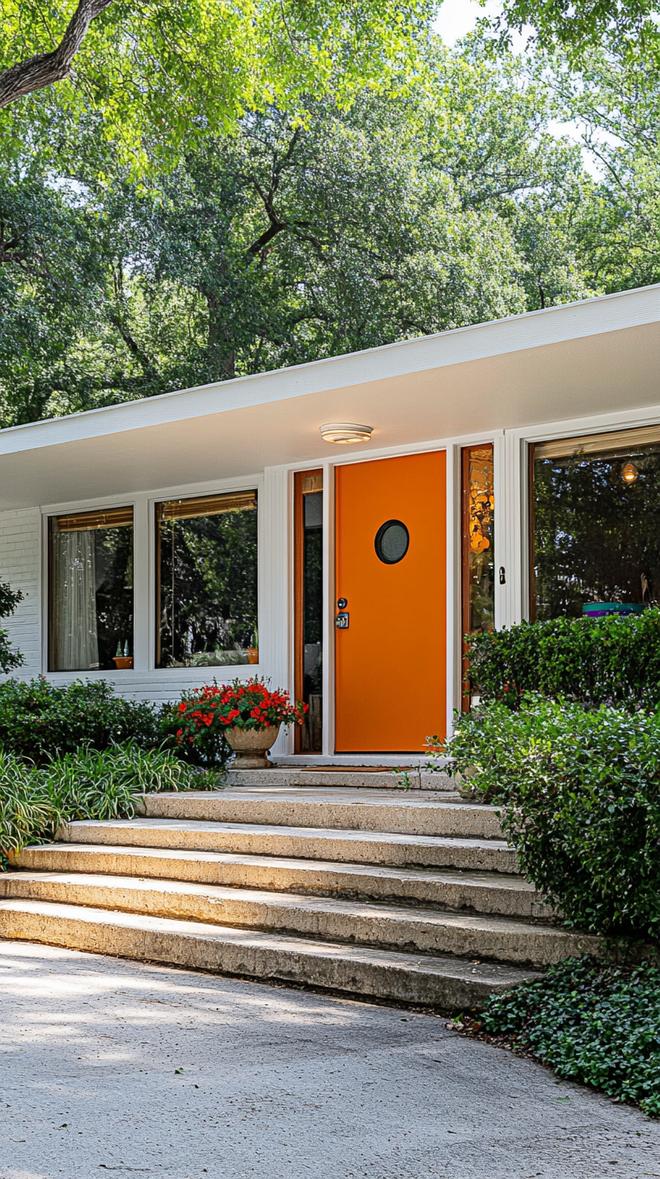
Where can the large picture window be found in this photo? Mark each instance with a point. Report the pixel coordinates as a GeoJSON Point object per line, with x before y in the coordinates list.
{"type": "Point", "coordinates": [595, 523]}
{"type": "Point", "coordinates": [91, 590]}
{"type": "Point", "coordinates": [206, 562]}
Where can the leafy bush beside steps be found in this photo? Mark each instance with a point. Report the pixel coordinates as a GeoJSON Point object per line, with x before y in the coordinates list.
{"type": "Point", "coordinates": [580, 796]}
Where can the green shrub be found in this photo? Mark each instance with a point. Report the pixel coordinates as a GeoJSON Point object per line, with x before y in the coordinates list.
{"type": "Point", "coordinates": [9, 599]}
{"type": "Point", "coordinates": [40, 721]}
{"type": "Point", "coordinates": [89, 784]}
{"type": "Point", "coordinates": [580, 790]}
{"type": "Point", "coordinates": [590, 1022]}
{"type": "Point", "coordinates": [611, 660]}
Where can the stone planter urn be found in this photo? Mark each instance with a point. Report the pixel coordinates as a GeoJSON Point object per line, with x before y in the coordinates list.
{"type": "Point", "coordinates": [251, 746]}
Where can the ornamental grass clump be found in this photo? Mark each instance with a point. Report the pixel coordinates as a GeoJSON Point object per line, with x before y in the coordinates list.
{"type": "Point", "coordinates": [91, 784]}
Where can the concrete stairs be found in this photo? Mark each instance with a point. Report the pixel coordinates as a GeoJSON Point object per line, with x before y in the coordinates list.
{"type": "Point", "coordinates": [409, 897]}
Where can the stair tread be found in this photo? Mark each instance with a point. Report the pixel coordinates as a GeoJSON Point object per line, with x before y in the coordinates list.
{"type": "Point", "coordinates": [442, 875]}
{"type": "Point", "coordinates": [272, 829]}
{"type": "Point", "coordinates": [287, 900]}
{"type": "Point", "coordinates": [440, 965]}
{"type": "Point", "coordinates": [343, 795]}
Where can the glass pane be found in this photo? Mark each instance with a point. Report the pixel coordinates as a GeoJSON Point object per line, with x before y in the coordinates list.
{"type": "Point", "coordinates": [391, 542]}
{"type": "Point", "coordinates": [207, 585]}
{"type": "Point", "coordinates": [310, 738]}
{"type": "Point", "coordinates": [478, 547]}
{"type": "Point", "coordinates": [595, 528]}
{"type": "Point", "coordinates": [91, 593]}
{"type": "Point", "coordinates": [478, 539]}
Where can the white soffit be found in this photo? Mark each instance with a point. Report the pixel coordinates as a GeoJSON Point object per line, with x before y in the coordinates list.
{"type": "Point", "coordinates": [593, 357]}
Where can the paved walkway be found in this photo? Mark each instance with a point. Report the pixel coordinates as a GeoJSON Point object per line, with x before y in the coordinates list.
{"type": "Point", "coordinates": [119, 1069]}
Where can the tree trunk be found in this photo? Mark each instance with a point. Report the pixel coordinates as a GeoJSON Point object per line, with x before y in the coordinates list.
{"type": "Point", "coordinates": [45, 68]}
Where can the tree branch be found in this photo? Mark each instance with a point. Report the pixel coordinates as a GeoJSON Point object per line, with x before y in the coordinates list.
{"type": "Point", "coordinates": [45, 68]}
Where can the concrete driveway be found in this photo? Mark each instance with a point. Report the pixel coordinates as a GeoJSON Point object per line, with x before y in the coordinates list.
{"type": "Point", "coordinates": [110, 1068]}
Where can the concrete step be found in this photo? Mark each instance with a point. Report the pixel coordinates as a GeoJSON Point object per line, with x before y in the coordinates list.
{"type": "Point", "coordinates": [420, 930]}
{"type": "Point", "coordinates": [418, 813]}
{"type": "Point", "coordinates": [402, 779]}
{"type": "Point", "coordinates": [430, 980]}
{"type": "Point", "coordinates": [477, 892]}
{"type": "Point", "coordinates": [313, 843]}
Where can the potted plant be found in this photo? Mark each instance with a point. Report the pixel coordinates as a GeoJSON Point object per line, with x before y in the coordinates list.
{"type": "Point", "coordinates": [252, 651]}
{"type": "Point", "coordinates": [247, 712]}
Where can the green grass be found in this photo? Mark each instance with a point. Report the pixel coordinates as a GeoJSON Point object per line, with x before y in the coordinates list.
{"type": "Point", "coordinates": [591, 1022]}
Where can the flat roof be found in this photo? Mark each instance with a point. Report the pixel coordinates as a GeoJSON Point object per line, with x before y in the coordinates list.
{"type": "Point", "coordinates": [580, 358]}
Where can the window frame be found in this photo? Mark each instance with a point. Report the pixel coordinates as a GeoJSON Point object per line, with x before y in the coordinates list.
{"type": "Point", "coordinates": [155, 521]}
{"type": "Point", "coordinates": [126, 504]}
{"type": "Point", "coordinates": [144, 584]}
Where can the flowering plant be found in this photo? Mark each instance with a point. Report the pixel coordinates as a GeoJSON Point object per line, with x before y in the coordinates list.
{"type": "Point", "coordinates": [242, 704]}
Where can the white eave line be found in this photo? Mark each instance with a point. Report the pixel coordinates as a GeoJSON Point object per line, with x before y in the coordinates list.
{"type": "Point", "coordinates": [534, 329]}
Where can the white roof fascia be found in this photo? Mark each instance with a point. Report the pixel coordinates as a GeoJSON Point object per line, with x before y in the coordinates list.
{"type": "Point", "coordinates": [534, 329]}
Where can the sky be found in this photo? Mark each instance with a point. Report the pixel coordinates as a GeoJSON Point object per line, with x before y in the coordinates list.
{"type": "Point", "coordinates": [458, 17]}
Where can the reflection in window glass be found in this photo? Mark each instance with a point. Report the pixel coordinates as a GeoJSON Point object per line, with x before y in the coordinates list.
{"type": "Point", "coordinates": [478, 545]}
{"type": "Point", "coordinates": [206, 552]}
{"type": "Point", "coordinates": [309, 607]}
{"type": "Point", "coordinates": [595, 523]}
{"type": "Point", "coordinates": [91, 591]}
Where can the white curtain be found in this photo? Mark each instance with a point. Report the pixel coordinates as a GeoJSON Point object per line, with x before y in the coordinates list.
{"type": "Point", "coordinates": [74, 601]}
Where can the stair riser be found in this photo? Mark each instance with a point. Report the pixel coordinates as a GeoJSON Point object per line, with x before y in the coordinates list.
{"type": "Point", "coordinates": [195, 952]}
{"type": "Point", "coordinates": [475, 898]}
{"type": "Point", "coordinates": [386, 853]}
{"type": "Point", "coordinates": [354, 779]}
{"type": "Point", "coordinates": [451, 819]}
{"type": "Point", "coordinates": [537, 949]}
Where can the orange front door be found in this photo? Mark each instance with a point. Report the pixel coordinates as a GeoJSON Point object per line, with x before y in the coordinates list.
{"type": "Point", "coordinates": [390, 571]}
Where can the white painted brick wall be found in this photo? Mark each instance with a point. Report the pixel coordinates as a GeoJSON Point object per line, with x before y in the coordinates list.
{"type": "Point", "coordinates": [20, 566]}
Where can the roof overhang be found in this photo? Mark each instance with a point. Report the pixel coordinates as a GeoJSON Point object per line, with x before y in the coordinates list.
{"type": "Point", "coordinates": [572, 361]}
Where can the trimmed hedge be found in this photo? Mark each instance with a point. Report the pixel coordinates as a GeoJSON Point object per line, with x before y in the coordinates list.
{"type": "Point", "coordinates": [90, 784]}
{"type": "Point", "coordinates": [611, 660]}
{"type": "Point", "coordinates": [580, 792]}
{"type": "Point", "coordinates": [590, 1022]}
{"type": "Point", "coordinates": [40, 721]}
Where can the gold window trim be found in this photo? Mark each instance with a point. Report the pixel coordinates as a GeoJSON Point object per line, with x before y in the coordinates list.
{"type": "Point", "coordinates": [206, 505]}
{"type": "Point", "coordinates": [86, 521]}
{"type": "Point", "coordinates": [598, 443]}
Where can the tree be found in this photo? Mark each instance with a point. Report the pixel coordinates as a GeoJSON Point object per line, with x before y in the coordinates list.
{"type": "Point", "coordinates": [289, 240]}
{"type": "Point", "coordinates": [43, 69]}
{"type": "Point", "coordinates": [585, 24]}
{"type": "Point", "coordinates": [165, 73]}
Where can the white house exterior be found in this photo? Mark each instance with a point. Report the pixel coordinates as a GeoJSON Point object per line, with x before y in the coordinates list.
{"type": "Point", "coordinates": [392, 539]}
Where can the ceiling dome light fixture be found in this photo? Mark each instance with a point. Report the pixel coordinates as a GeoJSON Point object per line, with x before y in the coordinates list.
{"type": "Point", "coordinates": [629, 473]}
{"type": "Point", "coordinates": [345, 433]}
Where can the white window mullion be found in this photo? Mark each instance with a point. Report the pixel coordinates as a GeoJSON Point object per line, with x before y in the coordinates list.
{"type": "Point", "coordinates": [143, 598]}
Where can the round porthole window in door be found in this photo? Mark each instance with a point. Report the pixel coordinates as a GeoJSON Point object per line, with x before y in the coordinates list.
{"type": "Point", "coordinates": [391, 543]}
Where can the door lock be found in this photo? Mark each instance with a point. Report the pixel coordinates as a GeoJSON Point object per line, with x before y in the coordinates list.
{"type": "Point", "coordinates": [342, 621]}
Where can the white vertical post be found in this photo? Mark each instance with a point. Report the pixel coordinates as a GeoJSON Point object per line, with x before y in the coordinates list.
{"type": "Point", "coordinates": [144, 611]}
{"type": "Point", "coordinates": [328, 744]}
{"type": "Point", "coordinates": [274, 584]}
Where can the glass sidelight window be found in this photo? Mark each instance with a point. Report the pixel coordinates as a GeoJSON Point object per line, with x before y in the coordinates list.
{"type": "Point", "coordinates": [90, 591]}
{"type": "Point", "coordinates": [308, 511]}
{"type": "Point", "coordinates": [595, 523]}
{"type": "Point", "coordinates": [478, 545]}
{"type": "Point", "coordinates": [206, 565]}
